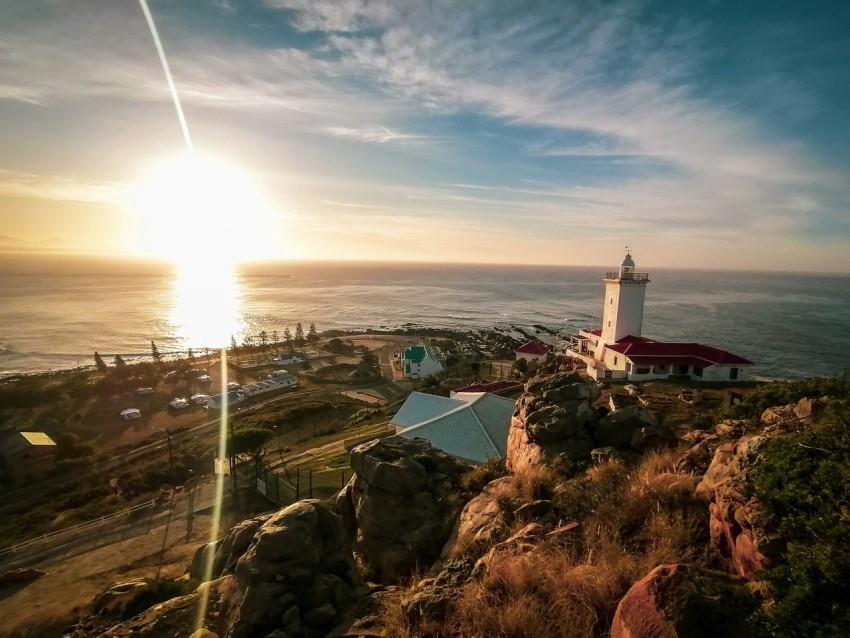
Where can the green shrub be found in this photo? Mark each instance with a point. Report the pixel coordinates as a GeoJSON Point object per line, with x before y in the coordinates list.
{"type": "Point", "coordinates": [768, 395]}
{"type": "Point", "coordinates": [803, 483]}
{"type": "Point", "coordinates": [475, 479]}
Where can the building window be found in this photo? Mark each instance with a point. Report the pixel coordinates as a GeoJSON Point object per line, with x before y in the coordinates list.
{"type": "Point", "coordinates": [609, 324]}
{"type": "Point", "coordinates": [697, 371]}
{"type": "Point", "coordinates": [615, 360]}
{"type": "Point", "coordinates": [733, 373]}
{"type": "Point", "coordinates": [611, 301]}
{"type": "Point", "coordinates": [642, 370]}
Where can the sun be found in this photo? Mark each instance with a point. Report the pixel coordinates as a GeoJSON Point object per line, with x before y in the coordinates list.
{"type": "Point", "coordinates": [198, 207]}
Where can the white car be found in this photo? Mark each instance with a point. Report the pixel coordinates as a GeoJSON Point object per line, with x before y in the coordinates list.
{"type": "Point", "coordinates": [179, 404]}
{"type": "Point", "coordinates": [200, 399]}
{"type": "Point", "coordinates": [131, 413]}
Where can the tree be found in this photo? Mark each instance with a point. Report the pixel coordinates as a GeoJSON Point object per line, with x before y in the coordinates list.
{"type": "Point", "coordinates": [287, 338]}
{"type": "Point", "coordinates": [253, 442]}
{"type": "Point", "coordinates": [299, 335]}
{"type": "Point", "coordinates": [275, 339]}
{"type": "Point", "coordinates": [119, 361]}
{"type": "Point", "coordinates": [264, 339]}
{"type": "Point", "coordinates": [155, 353]}
{"type": "Point", "coordinates": [191, 355]}
{"type": "Point", "coordinates": [98, 361]}
{"type": "Point", "coordinates": [312, 335]}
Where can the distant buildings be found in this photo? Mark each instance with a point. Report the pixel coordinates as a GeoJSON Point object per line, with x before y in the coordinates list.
{"type": "Point", "coordinates": [419, 361]}
{"type": "Point", "coordinates": [618, 351]}
{"type": "Point", "coordinates": [471, 426]}
{"type": "Point", "coordinates": [532, 351]}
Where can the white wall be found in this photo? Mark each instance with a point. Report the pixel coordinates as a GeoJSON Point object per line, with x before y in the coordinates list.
{"type": "Point", "coordinates": [622, 313]}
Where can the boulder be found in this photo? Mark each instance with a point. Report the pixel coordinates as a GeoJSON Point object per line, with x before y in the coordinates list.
{"type": "Point", "coordinates": [778, 414]}
{"type": "Point", "coordinates": [229, 550]}
{"type": "Point", "coordinates": [633, 428]}
{"type": "Point", "coordinates": [483, 515]}
{"type": "Point", "coordinates": [697, 458]}
{"type": "Point", "coordinates": [684, 601]}
{"type": "Point", "coordinates": [737, 523]}
{"type": "Point", "coordinates": [397, 506]}
{"type": "Point", "coordinates": [433, 598]}
{"type": "Point", "coordinates": [204, 556]}
{"type": "Point", "coordinates": [808, 410]}
{"type": "Point", "coordinates": [300, 557]}
{"type": "Point", "coordinates": [552, 419]}
{"type": "Point", "coordinates": [175, 617]}
{"type": "Point", "coordinates": [117, 596]}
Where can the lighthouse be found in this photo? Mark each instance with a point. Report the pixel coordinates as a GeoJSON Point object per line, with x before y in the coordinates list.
{"type": "Point", "coordinates": [625, 291]}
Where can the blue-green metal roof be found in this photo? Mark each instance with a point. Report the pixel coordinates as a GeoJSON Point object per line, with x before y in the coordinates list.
{"type": "Point", "coordinates": [475, 430]}
{"type": "Point", "coordinates": [420, 407]}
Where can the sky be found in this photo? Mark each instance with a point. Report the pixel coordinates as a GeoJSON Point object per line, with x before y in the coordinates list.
{"type": "Point", "coordinates": [708, 134]}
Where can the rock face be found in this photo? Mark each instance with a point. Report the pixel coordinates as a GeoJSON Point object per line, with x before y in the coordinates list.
{"type": "Point", "coordinates": [632, 428]}
{"type": "Point", "coordinates": [397, 505]}
{"type": "Point", "coordinates": [737, 524]}
{"type": "Point", "coordinates": [555, 418]}
{"type": "Point", "coordinates": [552, 418]}
{"type": "Point", "coordinates": [298, 573]}
{"type": "Point", "coordinates": [683, 601]}
{"type": "Point", "coordinates": [483, 515]}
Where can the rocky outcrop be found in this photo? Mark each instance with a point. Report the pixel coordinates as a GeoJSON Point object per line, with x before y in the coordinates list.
{"type": "Point", "coordinates": [398, 506]}
{"type": "Point", "coordinates": [555, 418]}
{"type": "Point", "coordinates": [117, 596]}
{"type": "Point", "coordinates": [485, 514]}
{"type": "Point", "coordinates": [737, 523]}
{"type": "Point", "coordinates": [684, 601]}
{"type": "Point", "coordinates": [433, 598]}
{"type": "Point", "coordinates": [552, 418]}
{"type": "Point", "coordinates": [697, 458]}
{"type": "Point", "coordinates": [632, 428]}
{"type": "Point", "coordinates": [297, 575]}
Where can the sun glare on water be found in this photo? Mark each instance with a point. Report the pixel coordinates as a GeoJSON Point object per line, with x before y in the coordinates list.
{"type": "Point", "coordinates": [195, 208]}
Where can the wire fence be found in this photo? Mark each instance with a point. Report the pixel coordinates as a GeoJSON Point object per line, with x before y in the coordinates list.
{"type": "Point", "coordinates": [285, 489]}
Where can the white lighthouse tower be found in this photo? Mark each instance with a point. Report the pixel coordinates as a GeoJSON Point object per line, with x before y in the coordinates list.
{"type": "Point", "coordinates": [625, 292]}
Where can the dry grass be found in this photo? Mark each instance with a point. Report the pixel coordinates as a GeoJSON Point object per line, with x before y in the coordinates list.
{"type": "Point", "coordinates": [632, 519]}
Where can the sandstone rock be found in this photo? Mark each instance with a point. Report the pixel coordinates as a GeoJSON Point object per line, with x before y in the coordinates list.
{"type": "Point", "coordinates": [525, 540]}
{"type": "Point", "coordinates": [483, 514]}
{"type": "Point", "coordinates": [397, 505]}
{"type": "Point", "coordinates": [203, 556]}
{"type": "Point", "coordinates": [684, 601]}
{"type": "Point", "coordinates": [175, 617]}
{"type": "Point", "coordinates": [552, 419]}
{"type": "Point", "coordinates": [535, 509]}
{"type": "Point", "coordinates": [808, 410]}
{"type": "Point", "coordinates": [300, 556]}
{"type": "Point", "coordinates": [117, 596]}
{"type": "Point", "coordinates": [633, 427]}
{"type": "Point", "coordinates": [731, 428]}
{"type": "Point", "coordinates": [778, 414]}
{"type": "Point", "coordinates": [433, 598]}
{"type": "Point", "coordinates": [203, 633]}
{"type": "Point", "coordinates": [696, 459]}
{"type": "Point", "coordinates": [229, 550]}
{"type": "Point", "coordinates": [737, 523]}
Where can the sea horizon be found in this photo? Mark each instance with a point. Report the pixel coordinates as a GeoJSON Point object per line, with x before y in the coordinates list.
{"type": "Point", "coordinates": [56, 312]}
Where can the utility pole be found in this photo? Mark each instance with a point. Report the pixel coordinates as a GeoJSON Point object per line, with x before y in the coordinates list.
{"type": "Point", "coordinates": [170, 455]}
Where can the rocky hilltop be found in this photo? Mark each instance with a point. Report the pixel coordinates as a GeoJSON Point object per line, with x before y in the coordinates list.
{"type": "Point", "coordinates": [598, 523]}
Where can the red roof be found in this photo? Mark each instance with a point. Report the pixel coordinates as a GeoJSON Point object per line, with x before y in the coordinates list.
{"type": "Point", "coordinates": [495, 386]}
{"type": "Point", "coordinates": [647, 352]}
{"type": "Point", "coordinates": [533, 347]}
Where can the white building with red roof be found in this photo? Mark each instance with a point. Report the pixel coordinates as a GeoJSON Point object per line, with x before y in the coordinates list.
{"type": "Point", "coordinates": [532, 351]}
{"type": "Point", "coordinates": [618, 351]}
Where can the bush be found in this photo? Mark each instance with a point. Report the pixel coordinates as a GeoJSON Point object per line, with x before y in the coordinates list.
{"type": "Point", "coordinates": [802, 482]}
{"type": "Point", "coordinates": [159, 591]}
{"type": "Point", "coordinates": [776, 393]}
{"type": "Point", "coordinates": [473, 482]}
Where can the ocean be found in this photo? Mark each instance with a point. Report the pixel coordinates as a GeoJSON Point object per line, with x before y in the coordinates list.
{"type": "Point", "coordinates": [55, 312]}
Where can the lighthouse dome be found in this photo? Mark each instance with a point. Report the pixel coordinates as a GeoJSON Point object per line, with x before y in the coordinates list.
{"type": "Point", "coordinates": [627, 261]}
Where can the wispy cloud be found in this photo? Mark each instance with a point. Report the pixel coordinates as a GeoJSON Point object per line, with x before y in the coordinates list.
{"type": "Point", "coordinates": [378, 134]}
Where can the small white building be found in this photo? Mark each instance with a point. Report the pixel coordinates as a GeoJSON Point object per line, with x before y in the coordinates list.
{"type": "Point", "coordinates": [532, 351]}
{"type": "Point", "coordinates": [419, 361]}
{"type": "Point", "coordinates": [618, 351]}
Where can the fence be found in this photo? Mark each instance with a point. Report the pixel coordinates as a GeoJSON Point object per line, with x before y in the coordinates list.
{"type": "Point", "coordinates": [284, 489]}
